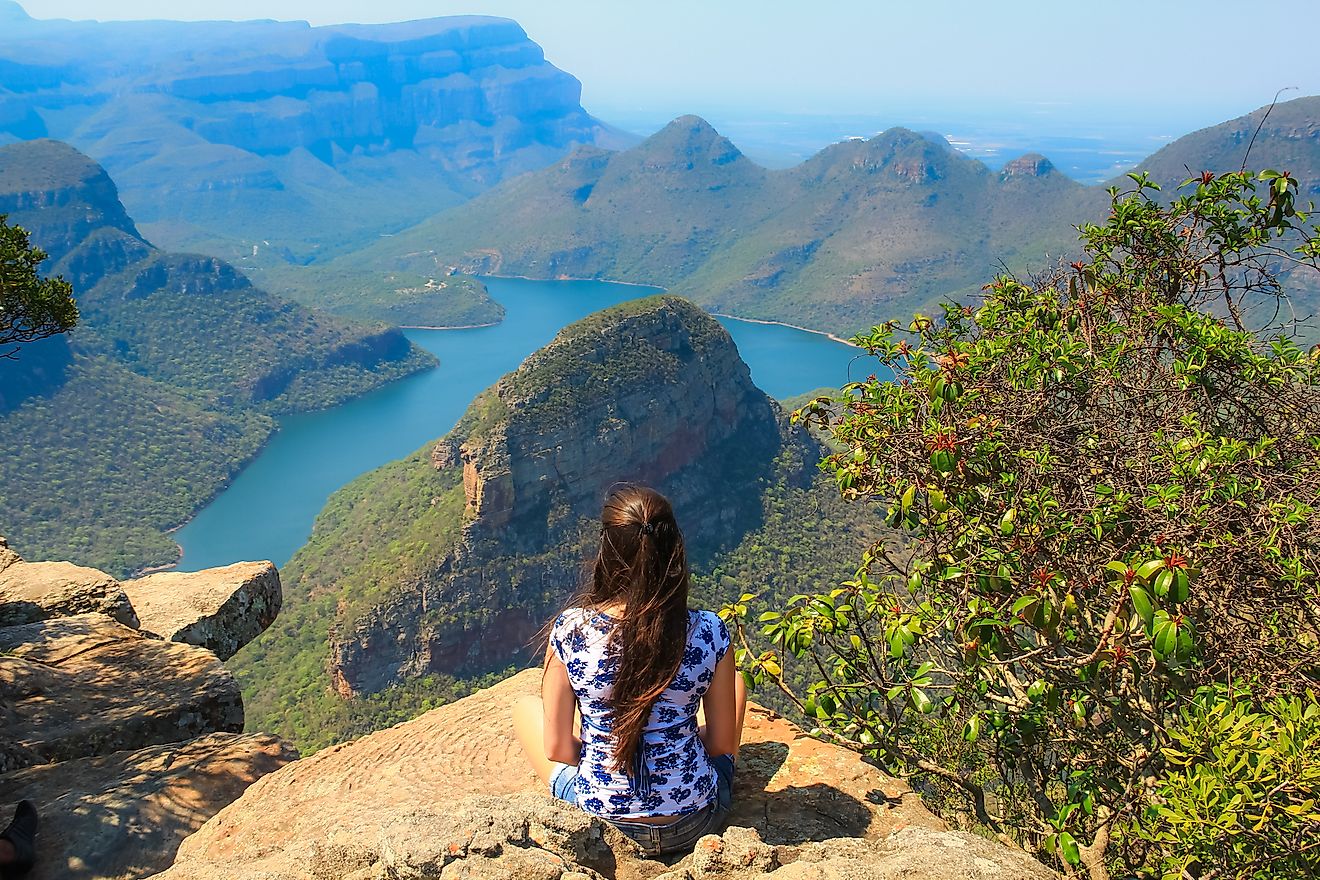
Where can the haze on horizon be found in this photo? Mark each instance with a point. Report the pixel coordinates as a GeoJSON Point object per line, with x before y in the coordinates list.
{"type": "Point", "coordinates": [1162, 64]}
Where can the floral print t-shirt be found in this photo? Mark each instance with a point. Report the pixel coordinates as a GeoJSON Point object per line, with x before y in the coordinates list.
{"type": "Point", "coordinates": [672, 774]}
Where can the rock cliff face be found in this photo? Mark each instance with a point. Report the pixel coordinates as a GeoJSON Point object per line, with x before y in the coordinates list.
{"type": "Point", "coordinates": [125, 741]}
{"type": "Point", "coordinates": [450, 795]}
{"type": "Point", "coordinates": [652, 391]}
{"type": "Point", "coordinates": [194, 116]}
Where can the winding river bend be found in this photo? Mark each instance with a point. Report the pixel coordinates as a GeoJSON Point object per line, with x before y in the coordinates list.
{"type": "Point", "coordinates": [267, 512]}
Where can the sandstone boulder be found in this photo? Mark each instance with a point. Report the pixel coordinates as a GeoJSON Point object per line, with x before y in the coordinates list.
{"type": "Point", "coordinates": [31, 591]}
{"type": "Point", "coordinates": [450, 794]}
{"type": "Point", "coordinates": [124, 814]}
{"type": "Point", "coordinates": [85, 685]}
{"type": "Point", "coordinates": [220, 609]}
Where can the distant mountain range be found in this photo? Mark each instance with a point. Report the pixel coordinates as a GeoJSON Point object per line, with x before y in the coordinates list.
{"type": "Point", "coordinates": [245, 137]}
{"type": "Point", "coordinates": [388, 157]}
{"type": "Point", "coordinates": [121, 429]}
{"type": "Point", "coordinates": [863, 231]}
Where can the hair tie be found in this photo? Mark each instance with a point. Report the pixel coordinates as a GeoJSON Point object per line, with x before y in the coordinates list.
{"type": "Point", "coordinates": [648, 528]}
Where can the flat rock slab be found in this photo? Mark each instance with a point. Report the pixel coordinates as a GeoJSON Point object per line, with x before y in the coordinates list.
{"type": "Point", "coordinates": [790, 788]}
{"type": "Point", "coordinates": [86, 685]}
{"type": "Point", "coordinates": [31, 591]}
{"type": "Point", "coordinates": [124, 815]}
{"type": "Point", "coordinates": [221, 609]}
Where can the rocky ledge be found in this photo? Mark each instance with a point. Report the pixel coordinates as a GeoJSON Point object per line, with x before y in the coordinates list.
{"type": "Point", "coordinates": [120, 722]}
{"type": "Point", "coordinates": [449, 795]}
{"type": "Point", "coordinates": [130, 745]}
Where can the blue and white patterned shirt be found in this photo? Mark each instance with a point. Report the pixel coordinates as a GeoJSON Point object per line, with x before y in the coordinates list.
{"type": "Point", "coordinates": [676, 776]}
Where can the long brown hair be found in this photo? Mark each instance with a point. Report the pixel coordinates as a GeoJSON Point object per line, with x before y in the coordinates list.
{"type": "Point", "coordinates": [641, 565]}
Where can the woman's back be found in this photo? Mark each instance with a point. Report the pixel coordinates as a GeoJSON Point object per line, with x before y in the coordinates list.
{"type": "Point", "coordinates": [671, 773]}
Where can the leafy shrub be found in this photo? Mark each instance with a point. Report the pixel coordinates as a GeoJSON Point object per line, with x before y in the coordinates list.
{"type": "Point", "coordinates": [1110, 476]}
{"type": "Point", "coordinates": [1238, 795]}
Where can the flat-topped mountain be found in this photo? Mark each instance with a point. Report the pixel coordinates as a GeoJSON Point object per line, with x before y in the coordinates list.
{"type": "Point", "coordinates": [169, 383]}
{"type": "Point", "coordinates": [289, 138]}
{"type": "Point", "coordinates": [431, 572]}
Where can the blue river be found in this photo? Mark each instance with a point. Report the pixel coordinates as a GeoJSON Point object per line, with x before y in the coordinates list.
{"type": "Point", "coordinates": [268, 510]}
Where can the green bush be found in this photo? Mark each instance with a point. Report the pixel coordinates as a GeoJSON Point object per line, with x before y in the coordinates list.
{"type": "Point", "coordinates": [1238, 795]}
{"type": "Point", "coordinates": [1110, 478]}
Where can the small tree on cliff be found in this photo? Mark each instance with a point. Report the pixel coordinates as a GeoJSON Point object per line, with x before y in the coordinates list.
{"type": "Point", "coordinates": [31, 307]}
{"type": "Point", "coordinates": [1111, 487]}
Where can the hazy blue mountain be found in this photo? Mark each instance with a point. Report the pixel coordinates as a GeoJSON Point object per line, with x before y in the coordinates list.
{"type": "Point", "coordinates": [278, 140]}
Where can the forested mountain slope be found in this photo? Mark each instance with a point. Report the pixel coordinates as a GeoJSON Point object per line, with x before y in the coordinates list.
{"type": "Point", "coordinates": [272, 141]}
{"type": "Point", "coordinates": [120, 429]}
{"type": "Point", "coordinates": [862, 232]}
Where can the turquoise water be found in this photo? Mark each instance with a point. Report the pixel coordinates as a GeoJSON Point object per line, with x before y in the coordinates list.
{"type": "Point", "coordinates": [267, 512]}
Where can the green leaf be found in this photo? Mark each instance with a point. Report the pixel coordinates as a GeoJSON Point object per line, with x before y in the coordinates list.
{"type": "Point", "coordinates": [1068, 849]}
{"type": "Point", "coordinates": [1142, 605]}
{"type": "Point", "coordinates": [1165, 638]}
{"type": "Point", "coordinates": [1146, 569]}
{"type": "Point", "coordinates": [1179, 586]}
{"type": "Point", "coordinates": [921, 702]}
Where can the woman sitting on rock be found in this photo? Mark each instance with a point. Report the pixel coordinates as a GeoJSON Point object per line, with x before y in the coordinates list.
{"type": "Point", "coordinates": [640, 668]}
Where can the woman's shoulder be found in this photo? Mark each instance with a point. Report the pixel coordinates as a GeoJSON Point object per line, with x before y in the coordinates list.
{"type": "Point", "coordinates": [708, 626]}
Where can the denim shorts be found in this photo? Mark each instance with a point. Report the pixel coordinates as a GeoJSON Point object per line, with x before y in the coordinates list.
{"type": "Point", "coordinates": [678, 836]}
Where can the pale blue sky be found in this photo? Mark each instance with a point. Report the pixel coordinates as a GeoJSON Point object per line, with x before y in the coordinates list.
{"type": "Point", "coordinates": [1158, 60]}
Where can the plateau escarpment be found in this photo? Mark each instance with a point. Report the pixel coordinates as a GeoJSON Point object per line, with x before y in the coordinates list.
{"type": "Point", "coordinates": [282, 140]}
{"type": "Point", "coordinates": [435, 571]}
{"type": "Point", "coordinates": [169, 383]}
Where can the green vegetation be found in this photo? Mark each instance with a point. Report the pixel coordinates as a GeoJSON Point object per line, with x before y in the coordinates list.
{"type": "Point", "coordinates": [98, 471]}
{"type": "Point", "coordinates": [403, 299]}
{"type": "Point", "coordinates": [116, 432]}
{"type": "Point", "coordinates": [884, 226]}
{"type": "Point", "coordinates": [1102, 639]}
{"type": "Point", "coordinates": [31, 307]}
{"type": "Point", "coordinates": [1238, 794]}
{"type": "Point", "coordinates": [387, 527]}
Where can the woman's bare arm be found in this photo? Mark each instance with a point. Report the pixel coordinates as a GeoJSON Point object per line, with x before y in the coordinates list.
{"type": "Point", "coordinates": [722, 706]}
{"type": "Point", "coordinates": [561, 744]}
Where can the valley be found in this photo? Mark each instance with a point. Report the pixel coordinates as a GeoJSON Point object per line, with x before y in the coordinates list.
{"type": "Point", "coordinates": [387, 306]}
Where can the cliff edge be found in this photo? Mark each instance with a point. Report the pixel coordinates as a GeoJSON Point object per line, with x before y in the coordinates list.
{"type": "Point", "coordinates": [120, 722]}
{"type": "Point", "coordinates": [450, 794]}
